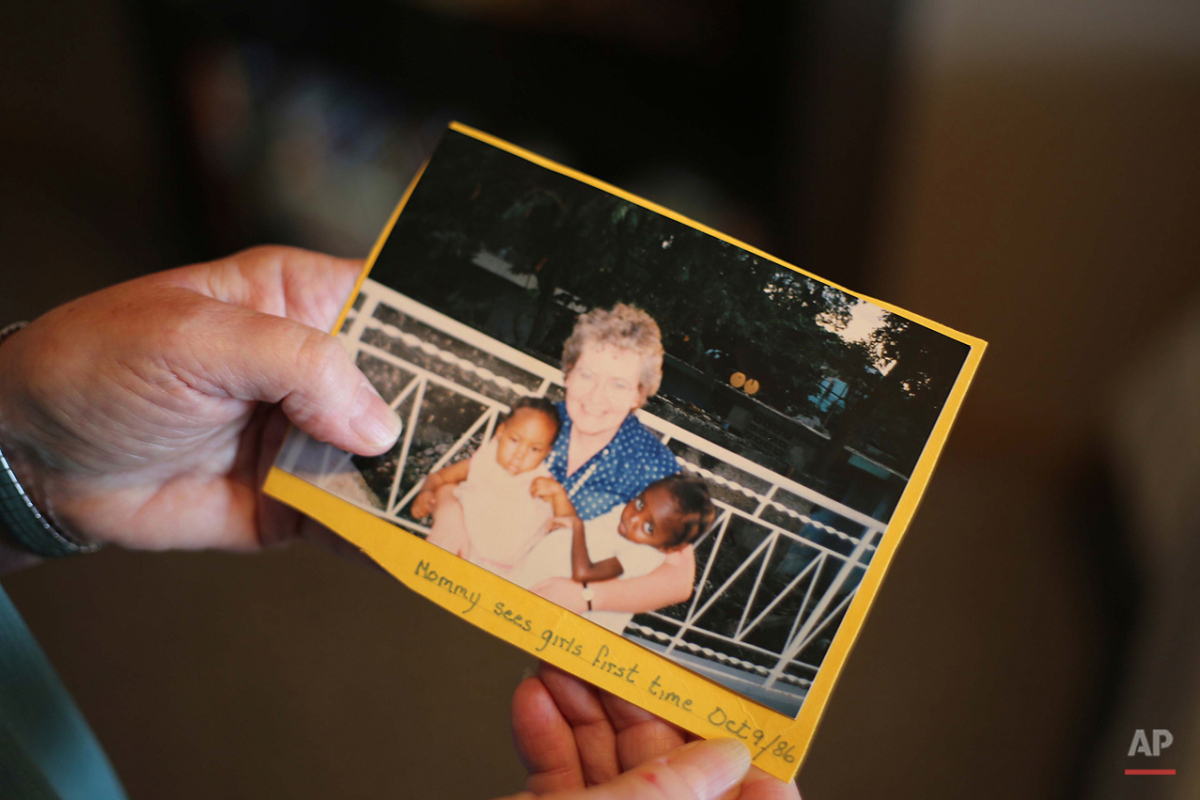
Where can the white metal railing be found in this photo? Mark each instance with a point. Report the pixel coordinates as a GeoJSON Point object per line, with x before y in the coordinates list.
{"type": "Point", "coordinates": [445, 355]}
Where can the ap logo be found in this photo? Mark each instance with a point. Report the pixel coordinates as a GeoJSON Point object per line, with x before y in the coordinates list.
{"type": "Point", "coordinates": [1143, 746]}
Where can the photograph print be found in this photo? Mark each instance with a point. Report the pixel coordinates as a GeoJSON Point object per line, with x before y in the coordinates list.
{"type": "Point", "coordinates": [684, 441]}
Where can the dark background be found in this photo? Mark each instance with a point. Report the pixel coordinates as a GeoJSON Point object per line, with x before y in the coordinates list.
{"type": "Point", "coordinates": [1023, 172]}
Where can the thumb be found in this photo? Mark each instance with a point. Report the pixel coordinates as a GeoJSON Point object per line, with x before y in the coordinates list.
{"type": "Point", "coordinates": [253, 356]}
{"type": "Point", "coordinates": [704, 770]}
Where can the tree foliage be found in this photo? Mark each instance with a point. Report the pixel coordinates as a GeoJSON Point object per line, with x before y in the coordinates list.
{"type": "Point", "coordinates": [722, 308]}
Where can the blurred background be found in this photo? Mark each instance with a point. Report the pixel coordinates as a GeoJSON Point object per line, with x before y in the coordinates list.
{"type": "Point", "coordinates": [1026, 172]}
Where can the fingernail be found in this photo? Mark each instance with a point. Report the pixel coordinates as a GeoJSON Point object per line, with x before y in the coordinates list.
{"type": "Point", "coordinates": [711, 768]}
{"type": "Point", "coordinates": [371, 418]}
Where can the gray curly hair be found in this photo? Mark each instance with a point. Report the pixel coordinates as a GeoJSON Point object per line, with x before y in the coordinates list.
{"type": "Point", "coordinates": [623, 326]}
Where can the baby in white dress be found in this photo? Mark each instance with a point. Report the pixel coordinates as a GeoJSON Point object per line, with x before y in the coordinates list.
{"type": "Point", "coordinates": [497, 516]}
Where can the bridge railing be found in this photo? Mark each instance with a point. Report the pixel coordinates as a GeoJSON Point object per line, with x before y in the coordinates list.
{"type": "Point", "coordinates": [775, 572]}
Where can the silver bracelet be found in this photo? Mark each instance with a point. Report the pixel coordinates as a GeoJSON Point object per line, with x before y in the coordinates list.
{"type": "Point", "coordinates": [27, 526]}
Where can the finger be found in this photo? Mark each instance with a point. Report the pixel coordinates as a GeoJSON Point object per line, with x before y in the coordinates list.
{"type": "Point", "coordinates": [420, 507]}
{"type": "Point", "coordinates": [229, 351]}
{"type": "Point", "coordinates": [758, 785]}
{"type": "Point", "coordinates": [641, 735]}
{"type": "Point", "coordinates": [583, 710]}
{"type": "Point", "coordinates": [279, 523]}
{"type": "Point", "coordinates": [544, 740]}
{"type": "Point", "coordinates": [311, 288]}
{"type": "Point", "coordinates": [705, 770]}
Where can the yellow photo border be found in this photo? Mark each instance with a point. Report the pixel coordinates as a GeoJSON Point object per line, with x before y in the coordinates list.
{"type": "Point", "coordinates": [575, 644]}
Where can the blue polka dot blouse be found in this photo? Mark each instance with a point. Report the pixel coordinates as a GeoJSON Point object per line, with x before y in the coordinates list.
{"type": "Point", "coordinates": [633, 460]}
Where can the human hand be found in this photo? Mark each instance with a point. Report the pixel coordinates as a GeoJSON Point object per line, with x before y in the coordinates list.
{"type": "Point", "coordinates": [545, 488]}
{"type": "Point", "coordinates": [571, 735]}
{"type": "Point", "coordinates": [569, 521]}
{"type": "Point", "coordinates": [424, 503]}
{"type": "Point", "coordinates": [564, 592]}
{"type": "Point", "coordinates": [142, 415]}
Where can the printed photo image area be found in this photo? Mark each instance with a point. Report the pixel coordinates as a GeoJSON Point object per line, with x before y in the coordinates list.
{"type": "Point", "coordinates": [795, 411]}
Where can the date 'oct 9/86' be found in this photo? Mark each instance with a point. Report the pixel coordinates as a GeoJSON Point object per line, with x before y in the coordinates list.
{"type": "Point", "coordinates": [606, 661]}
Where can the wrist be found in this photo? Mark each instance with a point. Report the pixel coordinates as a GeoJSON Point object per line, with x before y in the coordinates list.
{"type": "Point", "coordinates": [15, 442]}
{"type": "Point", "coordinates": [12, 443]}
{"type": "Point", "coordinates": [25, 519]}
{"type": "Point", "coordinates": [13, 555]}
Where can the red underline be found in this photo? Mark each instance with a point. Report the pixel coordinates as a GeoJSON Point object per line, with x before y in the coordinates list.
{"type": "Point", "coordinates": [1149, 772]}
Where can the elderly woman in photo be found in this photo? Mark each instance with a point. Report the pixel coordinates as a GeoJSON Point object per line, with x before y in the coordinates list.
{"type": "Point", "coordinates": [603, 456]}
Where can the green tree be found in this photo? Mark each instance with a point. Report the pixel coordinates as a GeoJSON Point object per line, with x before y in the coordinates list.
{"type": "Point", "coordinates": [895, 408]}
{"type": "Point", "coordinates": [719, 306]}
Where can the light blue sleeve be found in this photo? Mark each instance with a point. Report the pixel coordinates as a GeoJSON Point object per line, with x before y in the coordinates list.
{"type": "Point", "coordinates": [47, 749]}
